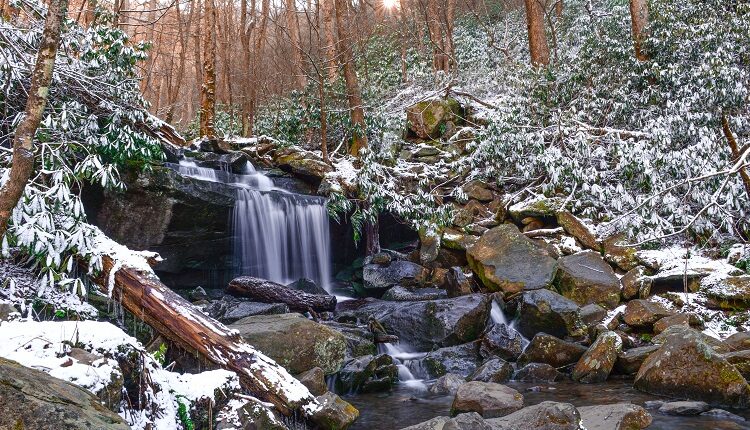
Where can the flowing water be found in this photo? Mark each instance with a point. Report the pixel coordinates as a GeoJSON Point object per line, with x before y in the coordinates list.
{"type": "Point", "coordinates": [498, 317]}
{"type": "Point", "coordinates": [406, 362]}
{"type": "Point", "coordinates": [277, 235]}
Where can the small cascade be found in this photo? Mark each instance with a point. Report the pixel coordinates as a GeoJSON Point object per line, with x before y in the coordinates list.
{"type": "Point", "coordinates": [498, 317]}
{"type": "Point", "coordinates": [406, 363]}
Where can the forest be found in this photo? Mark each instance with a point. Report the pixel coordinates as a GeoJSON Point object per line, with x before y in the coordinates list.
{"type": "Point", "coordinates": [375, 214]}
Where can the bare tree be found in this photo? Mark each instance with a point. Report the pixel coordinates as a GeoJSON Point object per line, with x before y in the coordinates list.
{"type": "Point", "coordinates": [537, 38]}
{"type": "Point", "coordinates": [208, 89]}
{"type": "Point", "coordinates": [639, 22]}
{"type": "Point", "coordinates": [329, 51]}
{"type": "Point", "coordinates": [23, 142]}
{"type": "Point", "coordinates": [292, 23]}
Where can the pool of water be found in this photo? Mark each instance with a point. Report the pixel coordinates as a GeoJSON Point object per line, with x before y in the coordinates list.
{"type": "Point", "coordinates": [404, 406]}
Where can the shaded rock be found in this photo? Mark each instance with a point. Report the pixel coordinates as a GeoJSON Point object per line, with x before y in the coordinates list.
{"type": "Point", "coordinates": [487, 399]}
{"type": "Point", "coordinates": [687, 367]}
{"type": "Point", "coordinates": [551, 350]}
{"type": "Point", "coordinates": [493, 370]}
{"type": "Point", "coordinates": [315, 380]}
{"type": "Point", "coordinates": [622, 256]}
{"type": "Point", "coordinates": [381, 258]}
{"type": "Point", "coordinates": [628, 362]}
{"type": "Point", "coordinates": [738, 341]}
{"type": "Point", "coordinates": [684, 408]}
{"type": "Point", "coordinates": [6, 310]}
{"type": "Point", "coordinates": [597, 362]}
{"type": "Point", "coordinates": [427, 119]}
{"type": "Point", "coordinates": [334, 413]}
{"type": "Point", "coordinates": [537, 372]}
{"type": "Point", "coordinates": [294, 342]}
{"type": "Point", "coordinates": [309, 286]}
{"type": "Point", "coordinates": [687, 319]}
{"type": "Point", "coordinates": [359, 339]}
{"type": "Point", "coordinates": [722, 414]}
{"type": "Point", "coordinates": [740, 360]}
{"type": "Point", "coordinates": [429, 246]}
{"type": "Point", "coordinates": [544, 416]}
{"type": "Point", "coordinates": [644, 313]}
{"type": "Point", "coordinates": [403, 294]}
{"type": "Point", "coordinates": [548, 312]}
{"type": "Point", "coordinates": [731, 293]}
{"type": "Point", "coordinates": [635, 284]}
{"type": "Point", "coordinates": [31, 399]}
{"type": "Point", "coordinates": [478, 190]}
{"type": "Point", "coordinates": [197, 294]}
{"type": "Point", "coordinates": [447, 384]}
{"type": "Point", "coordinates": [506, 260]}
{"type": "Point", "coordinates": [457, 284]}
{"type": "Point", "coordinates": [619, 416]}
{"type": "Point", "coordinates": [586, 278]}
{"type": "Point", "coordinates": [501, 341]}
{"type": "Point", "coordinates": [578, 229]}
{"type": "Point", "coordinates": [367, 374]}
{"type": "Point", "coordinates": [461, 360]}
{"type": "Point", "coordinates": [593, 314]}
{"type": "Point", "coordinates": [236, 310]}
{"type": "Point", "coordinates": [302, 163]}
{"type": "Point", "coordinates": [379, 278]}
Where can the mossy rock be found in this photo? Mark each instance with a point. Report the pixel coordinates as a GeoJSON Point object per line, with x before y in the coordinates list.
{"type": "Point", "coordinates": [428, 119]}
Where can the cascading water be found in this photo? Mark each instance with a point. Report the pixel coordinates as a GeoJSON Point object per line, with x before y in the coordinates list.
{"type": "Point", "coordinates": [278, 235]}
{"type": "Point", "coordinates": [498, 317]}
{"type": "Point", "coordinates": [405, 361]}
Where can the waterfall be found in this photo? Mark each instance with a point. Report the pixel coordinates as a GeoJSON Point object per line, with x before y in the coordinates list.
{"type": "Point", "coordinates": [498, 317]}
{"type": "Point", "coordinates": [277, 235]}
{"type": "Point", "coordinates": [404, 361]}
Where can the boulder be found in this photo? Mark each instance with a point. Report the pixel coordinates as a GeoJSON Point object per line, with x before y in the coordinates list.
{"type": "Point", "coordinates": [537, 372]}
{"type": "Point", "coordinates": [453, 239]}
{"type": "Point", "coordinates": [447, 384]}
{"type": "Point", "coordinates": [593, 314]}
{"type": "Point", "coordinates": [731, 293]}
{"type": "Point", "coordinates": [457, 284]}
{"type": "Point", "coordinates": [303, 163]}
{"type": "Point", "coordinates": [428, 119]}
{"type": "Point", "coordinates": [687, 367]}
{"type": "Point", "coordinates": [334, 413]}
{"type": "Point", "coordinates": [502, 341]}
{"type": "Point", "coordinates": [32, 399]}
{"type": "Point", "coordinates": [468, 421]}
{"type": "Point", "coordinates": [506, 260]}
{"type": "Point", "coordinates": [684, 408]}
{"type": "Point", "coordinates": [682, 331]}
{"type": "Point", "coordinates": [478, 190]}
{"type": "Point", "coordinates": [294, 342]}
{"type": "Point", "coordinates": [628, 362]}
{"type": "Point", "coordinates": [359, 339]}
{"type": "Point", "coordinates": [543, 416]}
{"type": "Point", "coordinates": [315, 380]}
{"type": "Point", "coordinates": [687, 319]}
{"type": "Point", "coordinates": [540, 207]}
{"type": "Point", "coordinates": [578, 229]}
{"type": "Point", "coordinates": [738, 342]}
{"type": "Point", "coordinates": [558, 353]}
{"type": "Point", "coordinates": [723, 415]}
{"type": "Point", "coordinates": [586, 278]}
{"type": "Point", "coordinates": [635, 284]}
{"type": "Point", "coordinates": [619, 254]}
{"type": "Point", "coordinates": [597, 362]}
{"type": "Point", "coordinates": [643, 313]}
{"type": "Point", "coordinates": [403, 294]}
{"type": "Point", "coordinates": [229, 309]}
{"type": "Point", "coordinates": [619, 416]}
{"type": "Point", "coordinates": [551, 350]}
{"type": "Point", "coordinates": [425, 325]}
{"type": "Point", "coordinates": [436, 423]}
{"type": "Point", "coordinates": [429, 246]}
{"type": "Point", "coordinates": [309, 286]}
{"type": "Point", "coordinates": [493, 370]}
{"type": "Point", "coordinates": [740, 360]}
{"type": "Point", "coordinates": [379, 278]}
{"type": "Point", "coordinates": [548, 312]}
{"type": "Point", "coordinates": [250, 415]}
{"type": "Point", "coordinates": [461, 360]}
{"type": "Point", "coordinates": [488, 399]}
{"type": "Point", "coordinates": [367, 374]}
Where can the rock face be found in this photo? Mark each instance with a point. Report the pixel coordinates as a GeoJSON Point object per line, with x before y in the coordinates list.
{"type": "Point", "coordinates": [687, 367]}
{"type": "Point", "coordinates": [551, 350]}
{"type": "Point", "coordinates": [294, 342]}
{"type": "Point", "coordinates": [732, 293]}
{"type": "Point", "coordinates": [31, 399]}
{"type": "Point", "coordinates": [367, 374]}
{"type": "Point", "coordinates": [597, 362]}
{"type": "Point", "coordinates": [487, 399]}
{"type": "Point", "coordinates": [544, 416]}
{"type": "Point", "coordinates": [502, 341]}
{"type": "Point", "coordinates": [548, 312]}
{"type": "Point", "coordinates": [506, 260]}
{"type": "Point", "coordinates": [429, 119]}
{"type": "Point", "coordinates": [425, 325]}
{"type": "Point", "coordinates": [379, 278]}
{"type": "Point", "coordinates": [620, 416]}
{"type": "Point", "coordinates": [586, 278]}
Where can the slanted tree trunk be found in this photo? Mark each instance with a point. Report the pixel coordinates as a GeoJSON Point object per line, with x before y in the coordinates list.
{"type": "Point", "coordinates": [23, 141]}
{"type": "Point", "coordinates": [270, 292]}
{"type": "Point", "coordinates": [208, 89]}
{"type": "Point", "coordinates": [639, 22]}
{"type": "Point", "coordinates": [298, 69]}
{"type": "Point", "coordinates": [537, 38]}
{"type": "Point", "coordinates": [737, 152]}
{"type": "Point", "coordinates": [353, 93]}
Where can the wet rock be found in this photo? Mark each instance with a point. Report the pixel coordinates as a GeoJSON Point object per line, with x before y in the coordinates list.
{"type": "Point", "coordinates": [615, 252]}
{"type": "Point", "coordinates": [593, 314]}
{"type": "Point", "coordinates": [359, 339]}
{"type": "Point", "coordinates": [687, 367]}
{"type": "Point", "coordinates": [425, 325]}
{"type": "Point", "coordinates": [686, 319]}
{"type": "Point", "coordinates": [684, 408]}
{"type": "Point", "coordinates": [722, 414]}
{"type": "Point", "coordinates": [731, 293]}
{"type": "Point", "coordinates": [506, 260]}
{"type": "Point", "coordinates": [367, 374]}
{"type": "Point", "coordinates": [488, 399]}
{"type": "Point", "coordinates": [447, 384]}
{"type": "Point", "coordinates": [457, 284]}
{"type": "Point", "coordinates": [334, 413]}
{"type": "Point", "coordinates": [294, 342]}
{"type": "Point", "coordinates": [302, 163]}
{"type": "Point", "coordinates": [493, 370]}
{"type": "Point", "coordinates": [537, 372]}
{"type": "Point", "coordinates": [429, 246]}
{"type": "Point", "coordinates": [738, 341]}
{"type": "Point", "coordinates": [379, 278]}
{"type": "Point", "coordinates": [230, 309]}
{"type": "Point", "coordinates": [544, 416]}
{"type": "Point", "coordinates": [197, 294]}
{"type": "Point", "coordinates": [644, 313]}
{"type": "Point", "coordinates": [437, 423]}
{"type": "Point", "coordinates": [635, 284]}
{"type": "Point", "coordinates": [31, 399]}
{"type": "Point", "coordinates": [578, 229]}
{"type": "Point", "coordinates": [461, 360]}
{"type": "Point", "coordinates": [309, 286]}
{"type": "Point", "coordinates": [551, 350]}
{"type": "Point", "coordinates": [597, 362]}
{"type": "Point", "coordinates": [619, 416]}
{"type": "Point", "coordinates": [548, 312]}
{"type": "Point", "coordinates": [628, 362]}
{"type": "Point", "coordinates": [403, 294]}
{"type": "Point", "coordinates": [501, 341]}
{"type": "Point", "coordinates": [315, 380]}
{"type": "Point", "coordinates": [427, 119]}
{"type": "Point", "coordinates": [740, 360]}
{"type": "Point", "coordinates": [468, 421]}
{"type": "Point", "coordinates": [586, 278]}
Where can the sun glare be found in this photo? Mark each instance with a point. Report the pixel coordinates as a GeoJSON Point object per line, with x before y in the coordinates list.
{"type": "Point", "coordinates": [390, 4]}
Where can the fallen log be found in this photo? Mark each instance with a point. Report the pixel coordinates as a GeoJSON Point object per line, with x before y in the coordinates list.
{"type": "Point", "coordinates": [126, 276]}
{"type": "Point", "coordinates": [265, 291]}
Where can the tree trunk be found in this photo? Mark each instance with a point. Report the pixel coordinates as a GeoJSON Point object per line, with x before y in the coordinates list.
{"type": "Point", "coordinates": [270, 292]}
{"type": "Point", "coordinates": [737, 152]}
{"type": "Point", "coordinates": [450, 18]}
{"type": "Point", "coordinates": [260, 43]}
{"type": "Point", "coordinates": [208, 89]}
{"type": "Point", "coordinates": [639, 22]}
{"type": "Point", "coordinates": [23, 141]}
{"type": "Point", "coordinates": [329, 52]}
{"type": "Point", "coordinates": [372, 237]}
{"type": "Point", "coordinates": [537, 37]}
{"type": "Point", "coordinates": [174, 90]}
{"type": "Point", "coordinates": [436, 36]}
{"type": "Point", "coordinates": [353, 94]}
{"type": "Point", "coordinates": [298, 69]}
{"type": "Point", "coordinates": [245, 37]}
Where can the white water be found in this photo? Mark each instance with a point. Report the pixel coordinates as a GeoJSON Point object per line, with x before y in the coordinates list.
{"type": "Point", "coordinates": [498, 317]}
{"type": "Point", "coordinates": [403, 360]}
{"type": "Point", "coordinates": [278, 235]}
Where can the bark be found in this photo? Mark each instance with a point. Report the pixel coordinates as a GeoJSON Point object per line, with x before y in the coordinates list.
{"type": "Point", "coordinates": [245, 36]}
{"type": "Point", "coordinates": [22, 165]}
{"type": "Point", "coordinates": [450, 18]}
{"type": "Point", "coordinates": [298, 69]}
{"type": "Point", "coordinates": [436, 36]}
{"type": "Point", "coordinates": [173, 317]}
{"type": "Point", "coordinates": [329, 51]}
{"type": "Point", "coordinates": [353, 93]}
{"type": "Point", "coordinates": [260, 43]}
{"type": "Point", "coordinates": [271, 292]}
{"type": "Point", "coordinates": [208, 89]}
{"type": "Point", "coordinates": [737, 152]}
{"type": "Point", "coordinates": [639, 22]}
{"type": "Point", "coordinates": [174, 90]}
{"type": "Point", "coordinates": [372, 237]}
{"type": "Point", "coordinates": [537, 38]}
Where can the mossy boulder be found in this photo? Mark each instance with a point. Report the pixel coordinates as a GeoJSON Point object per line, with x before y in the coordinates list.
{"type": "Point", "coordinates": [586, 278]}
{"type": "Point", "coordinates": [548, 312]}
{"type": "Point", "coordinates": [547, 349]}
{"type": "Point", "coordinates": [597, 362]}
{"type": "Point", "coordinates": [488, 399]}
{"type": "Point", "coordinates": [335, 413]}
{"type": "Point", "coordinates": [429, 119]}
{"type": "Point", "coordinates": [460, 360]}
{"type": "Point", "coordinates": [731, 293]}
{"type": "Point", "coordinates": [300, 162]}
